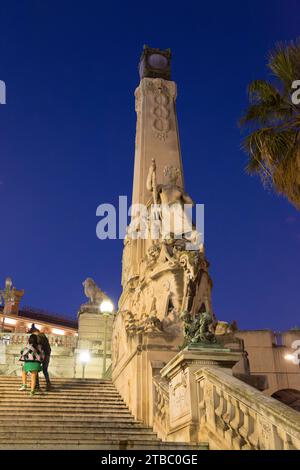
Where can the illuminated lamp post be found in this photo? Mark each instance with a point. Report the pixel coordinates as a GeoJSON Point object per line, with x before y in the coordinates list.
{"type": "Point", "coordinates": [294, 356]}
{"type": "Point", "coordinates": [106, 308]}
{"type": "Point", "coordinates": [84, 359]}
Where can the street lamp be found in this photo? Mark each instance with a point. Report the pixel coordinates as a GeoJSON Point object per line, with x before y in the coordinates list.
{"type": "Point", "coordinates": [106, 308]}
{"type": "Point", "coordinates": [84, 358]}
{"type": "Point", "coordinates": [289, 357]}
{"type": "Point", "coordinates": [294, 358]}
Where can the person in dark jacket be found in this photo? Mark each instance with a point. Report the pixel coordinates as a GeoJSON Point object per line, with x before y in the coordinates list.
{"type": "Point", "coordinates": [46, 348]}
{"type": "Point", "coordinates": [32, 357]}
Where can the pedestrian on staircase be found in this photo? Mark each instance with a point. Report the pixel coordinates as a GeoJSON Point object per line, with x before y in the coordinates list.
{"type": "Point", "coordinates": [46, 348]}
{"type": "Point", "coordinates": [32, 356]}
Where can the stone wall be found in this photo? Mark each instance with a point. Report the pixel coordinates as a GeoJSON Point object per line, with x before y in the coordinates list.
{"type": "Point", "coordinates": [266, 351]}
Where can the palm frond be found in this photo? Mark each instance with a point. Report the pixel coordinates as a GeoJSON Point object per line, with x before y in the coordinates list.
{"type": "Point", "coordinates": [273, 144]}
{"type": "Point", "coordinates": [262, 91]}
{"type": "Point", "coordinates": [282, 65]}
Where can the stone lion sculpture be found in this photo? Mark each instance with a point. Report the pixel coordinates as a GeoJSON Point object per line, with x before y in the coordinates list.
{"type": "Point", "coordinates": [93, 292]}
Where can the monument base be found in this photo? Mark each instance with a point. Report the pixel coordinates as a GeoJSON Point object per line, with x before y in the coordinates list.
{"type": "Point", "coordinates": [183, 397]}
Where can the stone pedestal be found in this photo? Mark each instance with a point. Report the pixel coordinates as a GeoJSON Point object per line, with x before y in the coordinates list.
{"type": "Point", "coordinates": [137, 360]}
{"type": "Point", "coordinates": [93, 326]}
{"type": "Point", "coordinates": [183, 400]}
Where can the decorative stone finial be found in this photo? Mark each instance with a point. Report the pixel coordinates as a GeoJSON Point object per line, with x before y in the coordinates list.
{"type": "Point", "coordinates": [155, 63]}
{"type": "Point", "coordinates": [10, 297]}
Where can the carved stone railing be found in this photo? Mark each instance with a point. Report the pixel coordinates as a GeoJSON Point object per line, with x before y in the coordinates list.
{"type": "Point", "coordinates": [234, 415]}
{"type": "Point", "coordinates": [62, 363]}
{"type": "Point", "coordinates": [54, 340]}
{"type": "Point", "coordinates": [161, 415]}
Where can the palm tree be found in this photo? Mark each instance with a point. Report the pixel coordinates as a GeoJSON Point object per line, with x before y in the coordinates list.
{"type": "Point", "coordinates": [273, 123]}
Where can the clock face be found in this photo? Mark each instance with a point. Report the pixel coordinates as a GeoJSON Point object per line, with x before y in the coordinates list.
{"type": "Point", "coordinates": [158, 61]}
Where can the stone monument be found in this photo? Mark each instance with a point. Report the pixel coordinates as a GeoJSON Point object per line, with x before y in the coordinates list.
{"type": "Point", "coordinates": [162, 276]}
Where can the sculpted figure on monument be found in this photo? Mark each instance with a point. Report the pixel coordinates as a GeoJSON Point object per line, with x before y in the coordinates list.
{"type": "Point", "coordinates": [198, 329]}
{"type": "Point", "coordinates": [169, 200]}
{"type": "Point", "coordinates": [93, 292]}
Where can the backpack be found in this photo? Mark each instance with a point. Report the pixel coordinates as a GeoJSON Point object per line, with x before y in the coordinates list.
{"type": "Point", "coordinates": [44, 343]}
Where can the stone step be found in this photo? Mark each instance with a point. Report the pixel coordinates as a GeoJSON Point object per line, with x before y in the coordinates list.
{"type": "Point", "coordinates": [55, 388]}
{"type": "Point", "coordinates": [47, 397]}
{"type": "Point", "coordinates": [75, 426]}
{"type": "Point", "coordinates": [60, 405]}
{"type": "Point", "coordinates": [59, 379]}
{"type": "Point", "coordinates": [81, 382]}
{"type": "Point", "coordinates": [118, 416]}
{"type": "Point", "coordinates": [43, 407]}
{"type": "Point", "coordinates": [62, 410]}
{"type": "Point", "coordinates": [69, 420]}
{"type": "Point", "coordinates": [62, 392]}
{"type": "Point", "coordinates": [62, 385]}
{"type": "Point", "coordinates": [66, 382]}
{"type": "Point", "coordinates": [76, 414]}
{"type": "Point", "coordinates": [100, 445]}
{"type": "Point", "coordinates": [59, 386]}
{"type": "Point", "coordinates": [55, 435]}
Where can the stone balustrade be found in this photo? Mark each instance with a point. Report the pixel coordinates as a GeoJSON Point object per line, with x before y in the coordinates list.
{"type": "Point", "coordinates": [197, 399]}
{"type": "Point", "coordinates": [234, 415]}
{"type": "Point", "coordinates": [66, 341]}
{"type": "Point", "coordinates": [161, 415]}
{"type": "Point", "coordinates": [62, 363]}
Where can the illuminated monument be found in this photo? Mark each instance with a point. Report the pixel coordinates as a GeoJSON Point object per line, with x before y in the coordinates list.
{"type": "Point", "coordinates": [182, 373]}
{"type": "Point", "coordinates": [166, 298]}
{"type": "Point", "coordinates": [173, 369]}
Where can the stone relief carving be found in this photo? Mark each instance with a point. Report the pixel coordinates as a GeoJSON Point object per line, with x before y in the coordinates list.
{"type": "Point", "coordinates": [172, 279]}
{"type": "Point", "coordinates": [162, 96]}
{"type": "Point", "coordinates": [179, 395]}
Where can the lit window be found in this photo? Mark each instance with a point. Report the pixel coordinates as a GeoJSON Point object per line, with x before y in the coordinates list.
{"type": "Point", "coordinates": [10, 321]}
{"type": "Point", "coordinates": [56, 331]}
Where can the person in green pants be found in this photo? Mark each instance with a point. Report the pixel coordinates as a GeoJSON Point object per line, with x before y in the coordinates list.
{"type": "Point", "coordinates": [32, 357]}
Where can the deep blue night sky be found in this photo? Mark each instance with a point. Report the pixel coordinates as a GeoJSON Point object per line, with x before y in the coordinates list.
{"type": "Point", "coordinates": [67, 144]}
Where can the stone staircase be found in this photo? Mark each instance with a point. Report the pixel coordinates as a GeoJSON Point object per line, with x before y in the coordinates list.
{"type": "Point", "coordinates": [77, 414]}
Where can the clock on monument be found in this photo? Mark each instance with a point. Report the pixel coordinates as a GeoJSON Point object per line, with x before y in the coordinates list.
{"type": "Point", "coordinates": [155, 63]}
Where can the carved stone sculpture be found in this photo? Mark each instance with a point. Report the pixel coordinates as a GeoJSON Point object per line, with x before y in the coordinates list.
{"type": "Point", "coordinates": [169, 200]}
{"type": "Point", "coordinates": [198, 329]}
{"type": "Point", "coordinates": [93, 292]}
{"type": "Point", "coordinates": [10, 297]}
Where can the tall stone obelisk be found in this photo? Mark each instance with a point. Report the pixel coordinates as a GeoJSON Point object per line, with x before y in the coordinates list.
{"type": "Point", "coordinates": [162, 278]}
{"type": "Point", "coordinates": [157, 129]}
{"type": "Point", "coordinates": [157, 137]}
